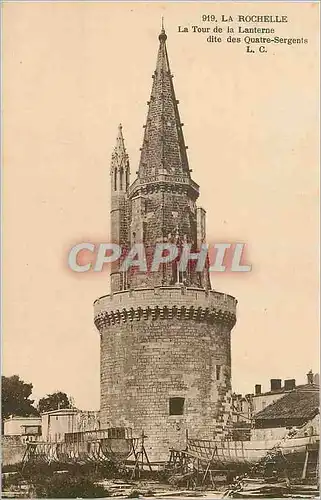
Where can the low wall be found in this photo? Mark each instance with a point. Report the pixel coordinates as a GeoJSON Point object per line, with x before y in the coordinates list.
{"type": "Point", "coordinates": [13, 450]}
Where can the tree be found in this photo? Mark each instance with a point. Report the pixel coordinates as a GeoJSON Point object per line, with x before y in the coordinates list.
{"type": "Point", "coordinates": [15, 397]}
{"type": "Point", "coordinates": [55, 401]}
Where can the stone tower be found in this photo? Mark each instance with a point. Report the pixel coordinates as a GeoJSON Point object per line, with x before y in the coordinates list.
{"type": "Point", "coordinates": [165, 335]}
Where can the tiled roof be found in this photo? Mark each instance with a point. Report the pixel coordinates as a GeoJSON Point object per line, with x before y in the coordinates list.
{"type": "Point", "coordinates": [299, 404]}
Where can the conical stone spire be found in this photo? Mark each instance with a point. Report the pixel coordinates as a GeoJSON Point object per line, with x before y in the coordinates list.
{"type": "Point", "coordinates": [163, 150]}
{"type": "Point", "coordinates": [119, 158]}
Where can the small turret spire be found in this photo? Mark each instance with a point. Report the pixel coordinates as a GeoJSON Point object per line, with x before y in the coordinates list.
{"type": "Point", "coordinates": [120, 163]}
{"type": "Point", "coordinates": [120, 177]}
{"type": "Point", "coordinates": [120, 144]}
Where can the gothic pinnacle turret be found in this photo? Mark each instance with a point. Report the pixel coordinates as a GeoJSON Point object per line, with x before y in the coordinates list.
{"type": "Point", "coordinates": [119, 169]}
{"type": "Point", "coordinates": [119, 172]}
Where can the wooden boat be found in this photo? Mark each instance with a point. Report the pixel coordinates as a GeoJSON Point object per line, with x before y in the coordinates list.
{"type": "Point", "coordinates": [117, 449]}
{"type": "Point", "coordinates": [249, 452]}
{"type": "Point", "coordinates": [101, 450]}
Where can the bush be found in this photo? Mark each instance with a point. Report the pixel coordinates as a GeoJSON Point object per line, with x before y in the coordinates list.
{"type": "Point", "coordinates": [134, 494]}
{"type": "Point", "coordinates": [65, 486]}
{"type": "Point", "coordinates": [10, 480]}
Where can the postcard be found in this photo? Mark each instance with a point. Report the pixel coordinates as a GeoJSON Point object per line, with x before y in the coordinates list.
{"type": "Point", "coordinates": [160, 249]}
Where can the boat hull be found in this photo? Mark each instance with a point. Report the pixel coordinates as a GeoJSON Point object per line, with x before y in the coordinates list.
{"type": "Point", "coordinates": [95, 451]}
{"type": "Point", "coordinates": [249, 452]}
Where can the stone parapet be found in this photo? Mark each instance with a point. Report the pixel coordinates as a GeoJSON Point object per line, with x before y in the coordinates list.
{"type": "Point", "coordinates": [165, 303]}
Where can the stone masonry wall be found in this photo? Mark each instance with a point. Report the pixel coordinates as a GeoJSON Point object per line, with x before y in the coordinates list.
{"type": "Point", "coordinates": [172, 343]}
{"type": "Point", "coordinates": [164, 213]}
{"type": "Point", "coordinates": [119, 234]}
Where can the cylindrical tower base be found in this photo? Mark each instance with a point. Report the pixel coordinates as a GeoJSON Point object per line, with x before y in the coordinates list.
{"type": "Point", "coordinates": [166, 364]}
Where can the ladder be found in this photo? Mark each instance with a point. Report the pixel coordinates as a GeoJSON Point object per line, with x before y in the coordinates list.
{"type": "Point", "coordinates": [311, 462]}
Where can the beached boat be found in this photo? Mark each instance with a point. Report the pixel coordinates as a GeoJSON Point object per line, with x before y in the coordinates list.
{"type": "Point", "coordinates": [250, 452]}
{"type": "Point", "coordinates": [100, 450]}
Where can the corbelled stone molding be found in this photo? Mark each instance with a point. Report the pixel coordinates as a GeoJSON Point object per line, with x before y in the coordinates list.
{"type": "Point", "coordinates": [163, 183]}
{"type": "Point", "coordinates": [165, 187]}
{"type": "Point", "coordinates": [165, 303]}
{"type": "Point", "coordinates": [105, 319]}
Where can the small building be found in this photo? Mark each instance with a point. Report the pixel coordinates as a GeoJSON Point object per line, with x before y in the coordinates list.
{"type": "Point", "coordinates": [289, 413]}
{"type": "Point", "coordinates": [57, 423]}
{"type": "Point", "coordinates": [242, 407]}
{"type": "Point", "coordinates": [261, 400]}
{"type": "Point", "coordinates": [245, 407]}
{"type": "Point", "coordinates": [28, 428]}
{"type": "Point", "coordinates": [241, 417]}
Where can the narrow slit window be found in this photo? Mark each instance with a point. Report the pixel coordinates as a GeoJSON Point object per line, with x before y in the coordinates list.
{"type": "Point", "coordinates": [144, 231]}
{"type": "Point", "coordinates": [218, 372]}
{"type": "Point", "coordinates": [121, 177]}
{"type": "Point", "coordinates": [115, 179]}
{"type": "Point", "coordinates": [176, 406]}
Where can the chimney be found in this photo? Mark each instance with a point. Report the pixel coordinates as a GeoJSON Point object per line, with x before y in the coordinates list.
{"type": "Point", "coordinates": [289, 384]}
{"type": "Point", "coordinates": [310, 377]}
{"type": "Point", "coordinates": [258, 389]}
{"type": "Point", "coordinates": [275, 384]}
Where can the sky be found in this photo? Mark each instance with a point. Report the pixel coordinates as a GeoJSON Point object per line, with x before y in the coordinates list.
{"type": "Point", "coordinates": [71, 73]}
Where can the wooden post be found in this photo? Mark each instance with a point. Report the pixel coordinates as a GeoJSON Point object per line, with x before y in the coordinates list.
{"type": "Point", "coordinates": [147, 460]}
{"type": "Point", "coordinates": [142, 452]}
{"type": "Point", "coordinates": [208, 466]}
{"type": "Point", "coordinates": [305, 466]}
{"type": "Point", "coordinates": [317, 466]}
{"type": "Point", "coordinates": [136, 455]}
{"type": "Point", "coordinates": [23, 462]}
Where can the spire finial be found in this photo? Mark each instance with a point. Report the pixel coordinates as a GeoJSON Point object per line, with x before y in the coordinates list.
{"type": "Point", "coordinates": [120, 132]}
{"type": "Point", "coordinates": [162, 37]}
